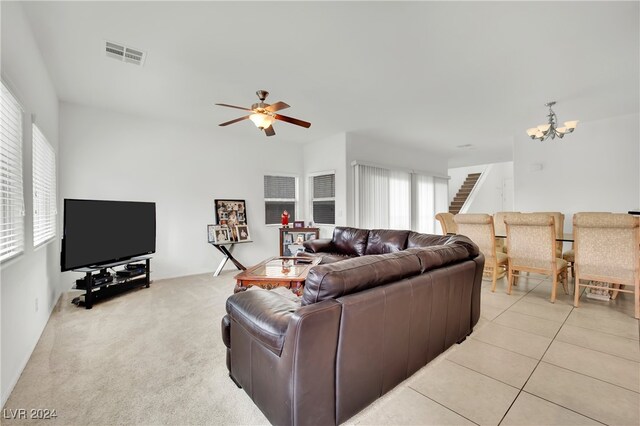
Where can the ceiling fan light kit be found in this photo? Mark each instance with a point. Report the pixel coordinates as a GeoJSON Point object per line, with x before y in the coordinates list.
{"type": "Point", "coordinates": [550, 130]}
{"type": "Point", "coordinates": [264, 115]}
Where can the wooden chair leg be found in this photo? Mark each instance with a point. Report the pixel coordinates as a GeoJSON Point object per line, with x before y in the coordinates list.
{"type": "Point", "coordinates": [495, 277]}
{"type": "Point", "coordinates": [565, 281]}
{"type": "Point", "coordinates": [576, 290]}
{"type": "Point", "coordinates": [510, 276]}
{"type": "Point", "coordinates": [553, 289]}
{"type": "Point", "coordinates": [614, 291]}
{"type": "Point", "coordinates": [636, 294]}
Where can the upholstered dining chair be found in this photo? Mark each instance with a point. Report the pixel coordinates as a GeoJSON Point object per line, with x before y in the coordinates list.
{"type": "Point", "coordinates": [531, 247]}
{"type": "Point", "coordinates": [501, 229]}
{"type": "Point", "coordinates": [447, 223]}
{"type": "Point", "coordinates": [559, 226]}
{"type": "Point", "coordinates": [607, 249]}
{"type": "Point", "coordinates": [479, 228]}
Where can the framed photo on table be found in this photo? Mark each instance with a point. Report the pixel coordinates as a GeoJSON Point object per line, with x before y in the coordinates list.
{"type": "Point", "coordinates": [221, 234]}
{"type": "Point", "coordinates": [242, 231]}
{"type": "Point", "coordinates": [231, 213]}
{"type": "Point", "coordinates": [298, 224]}
{"type": "Point", "coordinates": [211, 232]}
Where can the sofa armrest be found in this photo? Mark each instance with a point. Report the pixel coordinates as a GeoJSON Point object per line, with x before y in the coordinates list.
{"type": "Point", "coordinates": [321, 245]}
{"type": "Point", "coordinates": [264, 315]}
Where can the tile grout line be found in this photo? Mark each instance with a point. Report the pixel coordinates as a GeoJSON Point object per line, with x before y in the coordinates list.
{"type": "Point", "coordinates": [536, 367]}
{"type": "Point", "coordinates": [591, 377]}
{"type": "Point", "coordinates": [442, 405]}
{"type": "Point", "coordinates": [599, 351]}
{"type": "Point", "coordinates": [562, 406]}
{"type": "Point", "coordinates": [483, 374]}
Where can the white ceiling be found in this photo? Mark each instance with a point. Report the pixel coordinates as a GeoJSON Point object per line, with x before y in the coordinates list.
{"type": "Point", "coordinates": [428, 74]}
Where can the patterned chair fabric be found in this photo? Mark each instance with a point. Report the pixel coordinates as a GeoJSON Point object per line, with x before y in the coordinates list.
{"type": "Point", "coordinates": [607, 249]}
{"type": "Point", "coordinates": [447, 223]}
{"type": "Point", "coordinates": [559, 225]}
{"type": "Point", "coordinates": [479, 228]}
{"type": "Point", "coordinates": [501, 229]}
{"type": "Point", "coordinates": [531, 247]}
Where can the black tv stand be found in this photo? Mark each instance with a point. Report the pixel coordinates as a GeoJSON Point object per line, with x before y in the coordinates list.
{"type": "Point", "coordinates": [97, 286]}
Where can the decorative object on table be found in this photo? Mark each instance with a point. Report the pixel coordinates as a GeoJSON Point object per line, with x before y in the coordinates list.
{"type": "Point", "coordinates": [221, 234]}
{"type": "Point", "coordinates": [298, 223]}
{"type": "Point", "coordinates": [242, 231]}
{"type": "Point", "coordinates": [263, 115]}
{"type": "Point", "coordinates": [231, 213]}
{"type": "Point", "coordinates": [285, 218]}
{"type": "Point", "coordinates": [211, 231]}
{"type": "Point", "coordinates": [550, 130]}
{"type": "Point", "coordinates": [310, 224]}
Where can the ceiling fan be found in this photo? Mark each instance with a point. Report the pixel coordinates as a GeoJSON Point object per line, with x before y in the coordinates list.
{"type": "Point", "coordinates": [263, 115]}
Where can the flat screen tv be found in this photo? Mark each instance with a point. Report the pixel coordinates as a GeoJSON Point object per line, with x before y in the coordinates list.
{"type": "Point", "coordinates": [98, 232]}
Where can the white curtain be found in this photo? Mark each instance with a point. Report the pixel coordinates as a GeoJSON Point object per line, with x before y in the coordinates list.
{"type": "Point", "coordinates": [399, 200]}
{"type": "Point", "coordinates": [395, 199]}
{"type": "Point", "coordinates": [425, 203]}
{"type": "Point", "coordinates": [372, 197]}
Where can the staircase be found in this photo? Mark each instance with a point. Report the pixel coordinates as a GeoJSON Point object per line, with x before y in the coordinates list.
{"type": "Point", "coordinates": [463, 193]}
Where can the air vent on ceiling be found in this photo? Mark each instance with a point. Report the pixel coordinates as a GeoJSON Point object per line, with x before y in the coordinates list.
{"type": "Point", "coordinates": [124, 53]}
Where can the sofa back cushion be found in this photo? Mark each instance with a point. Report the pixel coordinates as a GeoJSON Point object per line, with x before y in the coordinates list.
{"type": "Point", "coordinates": [425, 240]}
{"type": "Point", "coordinates": [383, 241]}
{"type": "Point", "coordinates": [338, 279]}
{"type": "Point", "coordinates": [350, 241]}
{"type": "Point", "coordinates": [456, 249]}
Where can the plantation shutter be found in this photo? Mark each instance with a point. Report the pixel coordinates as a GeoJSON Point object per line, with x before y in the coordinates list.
{"type": "Point", "coordinates": [323, 199]}
{"type": "Point", "coordinates": [44, 189]}
{"type": "Point", "coordinates": [279, 195]}
{"type": "Point", "coordinates": [11, 191]}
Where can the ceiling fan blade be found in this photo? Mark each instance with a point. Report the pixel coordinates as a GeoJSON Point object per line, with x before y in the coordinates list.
{"type": "Point", "coordinates": [234, 121]}
{"type": "Point", "coordinates": [269, 131]}
{"type": "Point", "coordinates": [277, 106]}
{"type": "Point", "coordinates": [233, 106]}
{"type": "Point", "coordinates": [292, 120]}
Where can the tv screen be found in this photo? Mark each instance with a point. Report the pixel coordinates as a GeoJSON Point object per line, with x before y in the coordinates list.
{"type": "Point", "coordinates": [98, 232]}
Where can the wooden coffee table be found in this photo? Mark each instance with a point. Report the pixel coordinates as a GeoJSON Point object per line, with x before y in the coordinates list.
{"type": "Point", "coordinates": [288, 272]}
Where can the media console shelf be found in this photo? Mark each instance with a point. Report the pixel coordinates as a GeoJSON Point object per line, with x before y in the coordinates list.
{"type": "Point", "coordinates": [94, 292]}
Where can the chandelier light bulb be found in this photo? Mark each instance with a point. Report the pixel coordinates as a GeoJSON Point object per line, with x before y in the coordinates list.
{"type": "Point", "coordinates": [262, 121]}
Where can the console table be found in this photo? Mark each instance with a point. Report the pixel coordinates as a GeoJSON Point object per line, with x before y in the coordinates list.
{"type": "Point", "coordinates": [227, 253]}
{"type": "Point", "coordinates": [110, 288]}
{"type": "Point", "coordinates": [291, 239]}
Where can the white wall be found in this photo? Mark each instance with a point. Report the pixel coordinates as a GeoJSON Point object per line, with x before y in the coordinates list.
{"type": "Point", "coordinates": [113, 156]}
{"type": "Point", "coordinates": [389, 155]}
{"type": "Point", "coordinates": [328, 154]}
{"type": "Point", "coordinates": [490, 194]}
{"type": "Point", "coordinates": [33, 274]}
{"type": "Point", "coordinates": [596, 168]}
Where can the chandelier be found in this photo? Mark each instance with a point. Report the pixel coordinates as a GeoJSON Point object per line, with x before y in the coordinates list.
{"type": "Point", "coordinates": [550, 130]}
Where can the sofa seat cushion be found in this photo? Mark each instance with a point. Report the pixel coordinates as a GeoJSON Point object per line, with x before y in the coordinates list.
{"type": "Point", "coordinates": [338, 279]}
{"type": "Point", "coordinates": [350, 241]}
{"type": "Point", "coordinates": [264, 315]}
{"type": "Point", "coordinates": [383, 241]}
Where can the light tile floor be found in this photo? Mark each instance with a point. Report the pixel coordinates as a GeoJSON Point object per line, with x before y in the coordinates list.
{"type": "Point", "coordinates": [528, 362]}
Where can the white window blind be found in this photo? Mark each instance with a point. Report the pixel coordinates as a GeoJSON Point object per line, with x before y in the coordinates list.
{"type": "Point", "coordinates": [280, 194]}
{"type": "Point", "coordinates": [11, 191]}
{"type": "Point", "coordinates": [397, 199]}
{"type": "Point", "coordinates": [323, 199]}
{"type": "Point", "coordinates": [372, 197]}
{"type": "Point", "coordinates": [44, 189]}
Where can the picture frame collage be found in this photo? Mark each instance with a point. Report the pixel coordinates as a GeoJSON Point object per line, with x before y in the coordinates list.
{"type": "Point", "coordinates": [231, 223]}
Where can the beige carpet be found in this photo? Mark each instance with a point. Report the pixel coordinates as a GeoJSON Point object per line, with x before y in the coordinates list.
{"type": "Point", "coordinates": [150, 356]}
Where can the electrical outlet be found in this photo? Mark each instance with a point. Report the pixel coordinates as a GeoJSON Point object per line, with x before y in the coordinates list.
{"type": "Point", "coordinates": [36, 304]}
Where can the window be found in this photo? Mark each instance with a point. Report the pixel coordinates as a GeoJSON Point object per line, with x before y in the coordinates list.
{"type": "Point", "coordinates": [280, 194]}
{"type": "Point", "coordinates": [397, 199]}
{"type": "Point", "coordinates": [323, 199]}
{"type": "Point", "coordinates": [11, 195]}
{"type": "Point", "coordinates": [44, 189]}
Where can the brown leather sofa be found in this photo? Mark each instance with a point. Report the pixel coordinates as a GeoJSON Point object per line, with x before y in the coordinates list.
{"type": "Point", "coordinates": [394, 301]}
